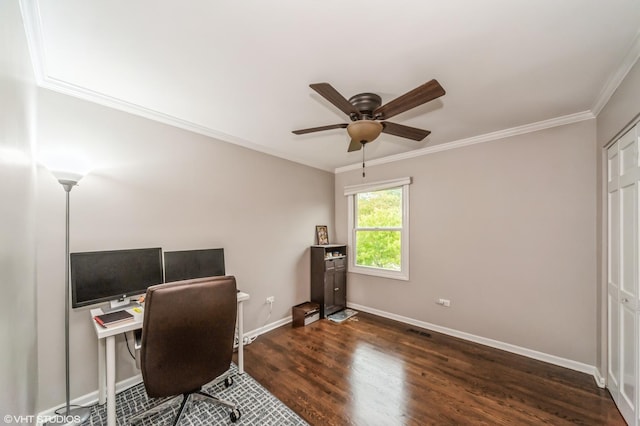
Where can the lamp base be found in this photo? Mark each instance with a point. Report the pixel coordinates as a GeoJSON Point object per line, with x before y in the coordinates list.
{"type": "Point", "coordinates": [75, 416]}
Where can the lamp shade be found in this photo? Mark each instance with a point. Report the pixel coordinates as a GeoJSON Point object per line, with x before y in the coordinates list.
{"type": "Point", "coordinates": [364, 131]}
{"type": "Point", "coordinates": [65, 165]}
{"type": "Point", "coordinates": [63, 175]}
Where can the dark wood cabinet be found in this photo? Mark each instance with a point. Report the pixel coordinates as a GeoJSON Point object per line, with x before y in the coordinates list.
{"type": "Point", "coordinates": [329, 277]}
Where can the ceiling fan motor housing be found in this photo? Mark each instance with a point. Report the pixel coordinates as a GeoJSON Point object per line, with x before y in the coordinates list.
{"type": "Point", "coordinates": [366, 103]}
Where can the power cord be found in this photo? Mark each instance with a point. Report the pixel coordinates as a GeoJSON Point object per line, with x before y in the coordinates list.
{"type": "Point", "coordinates": [250, 340]}
{"type": "Point", "coordinates": [128, 348]}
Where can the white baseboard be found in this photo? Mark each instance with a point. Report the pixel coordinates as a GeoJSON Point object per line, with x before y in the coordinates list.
{"type": "Point", "coordinates": [530, 353]}
{"type": "Point", "coordinates": [600, 380]}
{"type": "Point", "coordinates": [253, 334]}
{"type": "Point", "coordinates": [92, 397]}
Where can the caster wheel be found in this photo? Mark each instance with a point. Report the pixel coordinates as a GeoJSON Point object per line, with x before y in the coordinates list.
{"type": "Point", "coordinates": [234, 415]}
{"type": "Point", "coordinates": [228, 382]}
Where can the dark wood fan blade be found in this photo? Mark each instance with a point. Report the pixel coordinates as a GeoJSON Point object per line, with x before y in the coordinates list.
{"type": "Point", "coordinates": [354, 146]}
{"type": "Point", "coordinates": [319, 129]}
{"type": "Point", "coordinates": [418, 96]}
{"type": "Point", "coordinates": [404, 131]}
{"type": "Point", "coordinates": [332, 95]}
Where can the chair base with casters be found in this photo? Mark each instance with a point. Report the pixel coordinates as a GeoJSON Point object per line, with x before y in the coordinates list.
{"type": "Point", "coordinates": [234, 414]}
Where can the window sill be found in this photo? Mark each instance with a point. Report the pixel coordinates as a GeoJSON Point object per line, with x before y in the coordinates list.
{"type": "Point", "coordinates": [401, 276]}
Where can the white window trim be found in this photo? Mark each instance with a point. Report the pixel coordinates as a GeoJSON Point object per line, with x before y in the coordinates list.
{"type": "Point", "coordinates": [350, 192]}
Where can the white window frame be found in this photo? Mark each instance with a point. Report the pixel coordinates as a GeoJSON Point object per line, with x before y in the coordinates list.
{"type": "Point", "coordinates": [350, 192]}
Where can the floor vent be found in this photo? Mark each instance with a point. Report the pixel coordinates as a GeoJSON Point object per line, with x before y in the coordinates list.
{"type": "Point", "coordinates": [421, 333]}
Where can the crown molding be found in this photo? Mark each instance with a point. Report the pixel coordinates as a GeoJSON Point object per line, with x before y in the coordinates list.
{"type": "Point", "coordinates": [35, 40]}
{"type": "Point", "coordinates": [135, 109]}
{"type": "Point", "coordinates": [487, 137]}
{"type": "Point", "coordinates": [616, 78]}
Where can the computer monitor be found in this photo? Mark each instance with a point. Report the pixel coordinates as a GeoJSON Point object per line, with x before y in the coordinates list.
{"type": "Point", "coordinates": [190, 264]}
{"type": "Point", "coordinates": [101, 276]}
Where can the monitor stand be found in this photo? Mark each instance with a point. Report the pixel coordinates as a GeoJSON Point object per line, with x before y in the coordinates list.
{"type": "Point", "coordinates": [120, 305]}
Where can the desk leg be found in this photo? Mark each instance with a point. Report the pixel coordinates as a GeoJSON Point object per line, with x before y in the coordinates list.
{"type": "Point", "coordinates": [111, 381]}
{"type": "Point", "coordinates": [240, 338]}
{"type": "Point", "coordinates": [101, 371]}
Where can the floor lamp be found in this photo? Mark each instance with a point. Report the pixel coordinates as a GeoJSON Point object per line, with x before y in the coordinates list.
{"type": "Point", "coordinates": [74, 415]}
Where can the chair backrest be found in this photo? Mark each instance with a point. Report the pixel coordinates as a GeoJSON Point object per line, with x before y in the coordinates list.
{"type": "Point", "coordinates": [187, 334]}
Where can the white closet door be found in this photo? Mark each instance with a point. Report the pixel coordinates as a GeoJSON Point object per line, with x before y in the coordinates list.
{"type": "Point", "coordinates": [613, 272]}
{"type": "Point", "coordinates": [623, 272]}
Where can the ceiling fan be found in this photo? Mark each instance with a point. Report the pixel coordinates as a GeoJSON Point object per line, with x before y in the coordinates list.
{"type": "Point", "coordinates": [368, 115]}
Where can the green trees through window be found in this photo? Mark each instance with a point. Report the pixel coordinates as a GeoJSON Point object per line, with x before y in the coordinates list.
{"type": "Point", "coordinates": [378, 229]}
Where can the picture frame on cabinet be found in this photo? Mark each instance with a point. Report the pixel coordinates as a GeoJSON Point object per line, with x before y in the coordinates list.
{"type": "Point", "coordinates": [322, 235]}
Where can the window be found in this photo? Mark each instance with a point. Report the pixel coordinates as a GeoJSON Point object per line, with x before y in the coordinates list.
{"type": "Point", "coordinates": [379, 228]}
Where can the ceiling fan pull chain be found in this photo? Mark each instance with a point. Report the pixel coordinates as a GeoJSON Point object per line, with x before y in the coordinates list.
{"type": "Point", "coordinates": [363, 145]}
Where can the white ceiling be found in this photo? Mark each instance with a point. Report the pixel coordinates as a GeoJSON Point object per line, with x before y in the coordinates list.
{"type": "Point", "coordinates": [240, 70]}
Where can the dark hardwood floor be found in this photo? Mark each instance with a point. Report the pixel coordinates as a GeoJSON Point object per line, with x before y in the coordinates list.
{"type": "Point", "coordinates": [375, 371]}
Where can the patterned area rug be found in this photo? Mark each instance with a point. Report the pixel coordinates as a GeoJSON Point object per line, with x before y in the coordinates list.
{"type": "Point", "coordinates": [257, 406]}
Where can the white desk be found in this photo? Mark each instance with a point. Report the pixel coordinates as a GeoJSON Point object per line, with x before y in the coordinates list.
{"type": "Point", "coordinates": [107, 352]}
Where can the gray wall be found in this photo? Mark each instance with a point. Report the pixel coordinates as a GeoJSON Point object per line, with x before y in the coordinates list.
{"type": "Point", "coordinates": [506, 231]}
{"type": "Point", "coordinates": [158, 186]}
{"type": "Point", "coordinates": [621, 110]}
{"type": "Point", "coordinates": [18, 367]}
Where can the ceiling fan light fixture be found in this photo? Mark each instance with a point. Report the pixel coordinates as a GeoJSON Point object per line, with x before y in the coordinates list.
{"type": "Point", "coordinates": [364, 131]}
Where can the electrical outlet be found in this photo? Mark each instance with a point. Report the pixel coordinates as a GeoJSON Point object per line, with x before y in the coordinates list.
{"type": "Point", "coordinates": [444, 302]}
{"type": "Point", "coordinates": [270, 300]}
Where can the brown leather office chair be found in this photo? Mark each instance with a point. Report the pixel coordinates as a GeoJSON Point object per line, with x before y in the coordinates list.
{"type": "Point", "coordinates": [187, 339]}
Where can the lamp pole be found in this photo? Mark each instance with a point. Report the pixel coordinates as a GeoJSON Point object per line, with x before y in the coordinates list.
{"type": "Point", "coordinates": [67, 185]}
{"type": "Point", "coordinates": [74, 415]}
